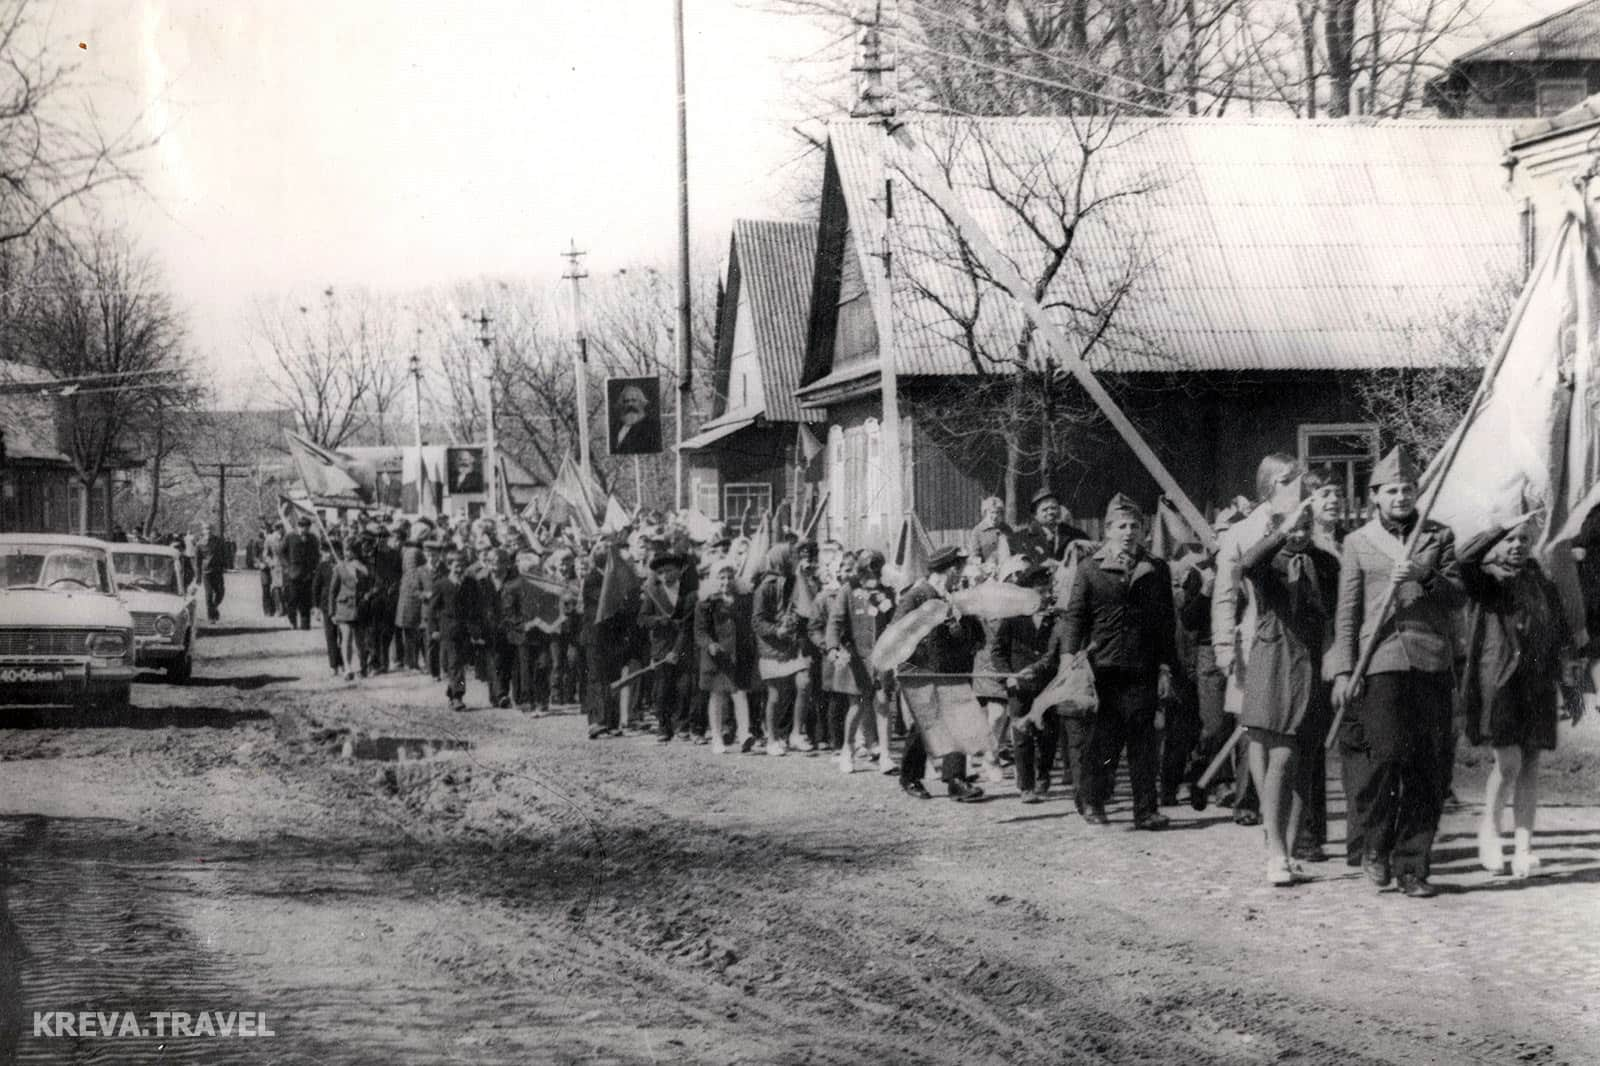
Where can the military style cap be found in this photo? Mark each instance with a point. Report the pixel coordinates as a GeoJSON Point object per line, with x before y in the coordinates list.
{"type": "Point", "coordinates": [1122, 506]}
{"type": "Point", "coordinates": [1396, 466]}
{"type": "Point", "coordinates": [945, 558]}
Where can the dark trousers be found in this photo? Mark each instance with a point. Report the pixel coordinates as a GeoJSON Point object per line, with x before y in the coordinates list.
{"type": "Point", "coordinates": [1391, 749]}
{"type": "Point", "coordinates": [1033, 747]}
{"type": "Point", "coordinates": [453, 658]}
{"type": "Point", "coordinates": [837, 708]}
{"type": "Point", "coordinates": [914, 763]}
{"type": "Point", "coordinates": [214, 593]}
{"type": "Point", "coordinates": [432, 654]}
{"type": "Point", "coordinates": [268, 603]}
{"type": "Point", "coordinates": [1126, 719]}
{"type": "Point", "coordinates": [414, 642]}
{"type": "Point", "coordinates": [1076, 735]}
{"type": "Point", "coordinates": [674, 698]}
{"type": "Point", "coordinates": [564, 671]}
{"type": "Point", "coordinates": [297, 602]}
{"type": "Point", "coordinates": [599, 702]}
{"type": "Point", "coordinates": [330, 635]}
{"type": "Point", "coordinates": [530, 684]}
{"type": "Point", "coordinates": [1311, 768]}
{"type": "Point", "coordinates": [1179, 739]}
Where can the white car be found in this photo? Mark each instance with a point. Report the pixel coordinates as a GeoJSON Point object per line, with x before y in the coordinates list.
{"type": "Point", "coordinates": [65, 634]}
{"type": "Point", "coordinates": [150, 580]}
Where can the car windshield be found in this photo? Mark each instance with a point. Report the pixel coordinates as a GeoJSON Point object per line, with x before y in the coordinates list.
{"type": "Point", "coordinates": [147, 572]}
{"type": "Point", "coordinates": [61, 567]}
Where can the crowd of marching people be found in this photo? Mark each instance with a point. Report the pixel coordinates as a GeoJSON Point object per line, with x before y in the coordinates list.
{"type": "Point", "coordinates": [1295, 626]}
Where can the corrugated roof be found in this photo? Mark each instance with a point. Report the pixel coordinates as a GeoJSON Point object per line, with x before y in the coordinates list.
{"type": "Point", "coordinates": [1579, 115]}
{"type": "Point", "coordinates": [1573, 33]}
{"type": "Point", "coordinates": [1276, 245]}
{"type": "Point", "coordinates": [776, 261]}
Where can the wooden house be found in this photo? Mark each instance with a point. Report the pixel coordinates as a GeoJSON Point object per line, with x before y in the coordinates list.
{"type": "Point", "coordinates": [1260, 269]}
{"type": "Point", "coordinates": [1537, 70]}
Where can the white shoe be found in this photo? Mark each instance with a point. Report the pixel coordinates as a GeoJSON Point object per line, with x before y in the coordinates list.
{"type": "Point", "coordinates": [1524, 864]}
{"type": "Point", "coordinates": [1491, 855]}
{"type": "Point", "coordinates": [718, 748]}
{"type": "Point", "coordinates": [847, 765]}
{"type": "Point", "coordinates": [775, 747]}
{"type": "Point", "coordinates": [1278, 873]}
{"type": "Point", "coordinates": [799, 743]}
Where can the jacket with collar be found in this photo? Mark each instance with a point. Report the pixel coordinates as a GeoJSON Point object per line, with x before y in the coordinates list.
{"type": "Point", "coordinates": [1418, 634]}
{"type": "Point", "coordinates": [670, 625]}
{"type": "Point", "coordinates": [1124, 617]}
{"type": "Point", "coordinates": [948, 649]}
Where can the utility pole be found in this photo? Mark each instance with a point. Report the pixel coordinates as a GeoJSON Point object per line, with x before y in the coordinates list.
{"type": "Point", "coordinates": [222, 492]}
{"type": "Point", "coordinates": [685, 340]}
{"type": "Point", "coordinates": [416, 388]}
{"type": "Point", "coordinates": [580, 355]}
{"type": "Point", "coordinates": [877, 100]}
{"type": "Point", "coordinates": [491, 471]}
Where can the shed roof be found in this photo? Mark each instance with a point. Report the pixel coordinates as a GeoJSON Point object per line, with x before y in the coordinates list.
{"type": "Point", "coordinates": [1571, 33]}
{"type": "Point", "coordinates": [1253, 245]}
{"type": "Point", "coordinates": [774, 263]}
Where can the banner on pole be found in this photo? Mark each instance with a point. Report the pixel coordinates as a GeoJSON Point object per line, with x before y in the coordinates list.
{"type": "Point", "coordinates": [948, 713]}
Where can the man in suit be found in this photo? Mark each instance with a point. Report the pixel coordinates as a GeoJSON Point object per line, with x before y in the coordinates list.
{"type": "Point", "coordinates": [454, 609]}
{"type": "Point", "coordinates": [666, 614]}
{"type": "Point", "coordinates": [1397, 714]}
{"type": "Point", "coordinates": [301, 554]}
{"type": "Point", "coordinates": [213, 570]}
{"type": "Point", "coordinates": [634, 431]}
{"type": "Point", "coordinates": [948, 649]}
{"type": "Point", "coordinates": [1046, 538]}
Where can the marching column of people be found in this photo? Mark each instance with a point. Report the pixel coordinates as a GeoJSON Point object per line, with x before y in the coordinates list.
{"type": "Point", "coordinates": [760, 650]}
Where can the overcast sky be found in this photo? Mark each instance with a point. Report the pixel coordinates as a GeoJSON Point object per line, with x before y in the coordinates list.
{"type": "Point", "coordinates": [403, 143]}
{"type": "Point", "coordinates": [400, 143]}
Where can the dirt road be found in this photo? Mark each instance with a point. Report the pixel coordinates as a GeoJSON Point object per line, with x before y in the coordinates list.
{"type": "Point", "coordinates": [512, 892]}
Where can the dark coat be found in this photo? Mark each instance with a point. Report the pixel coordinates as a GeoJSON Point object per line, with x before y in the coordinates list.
{"type": "Point", "coordinates": [1041, 542]}
{"type": "Point", "coordinates": [517, 605]}
{"type": "Point", "coordinates": [669, 626]}
{"type": "Point", "coordinates": [949, 648]}
{"type": "Point", "coordinates": [779, 629]}
{"type": "Point", "coordinates": [1126, 619]}
{"type": "Point", "coordinates": [1517, 642]}
{"type": "Point", "coordinates": [1018, 645]}
{"type": "Point", "coordinates": [721, 629]}
{"type": "Point", "coordinates": [454, 610]}
{"type": "Point", "coordinates": [301, 553]}
{"type": "Point", "coordinates": [1295, 598]}
{"type": "Point", "coordinates": [214, 556]}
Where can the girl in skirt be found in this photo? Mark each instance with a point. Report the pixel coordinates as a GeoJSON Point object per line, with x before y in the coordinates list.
{"type": "Point", "coordinates": [1509, 693]}
{"type": "Point", "coordinates": [1296, 589]}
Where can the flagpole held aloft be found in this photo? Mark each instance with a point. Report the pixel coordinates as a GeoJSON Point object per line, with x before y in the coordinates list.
{"type": "Point", "coordinates": [1437, 473]}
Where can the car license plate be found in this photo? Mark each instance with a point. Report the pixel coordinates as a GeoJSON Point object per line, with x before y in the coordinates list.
{"type": "Point", "coordinates": [42, 674]}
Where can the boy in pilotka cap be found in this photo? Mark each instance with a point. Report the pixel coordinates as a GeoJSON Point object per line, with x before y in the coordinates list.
{"type": "Point", "coordinates": [1121, 611]}
{"type": "Point", "coordinates": [1397, 716]}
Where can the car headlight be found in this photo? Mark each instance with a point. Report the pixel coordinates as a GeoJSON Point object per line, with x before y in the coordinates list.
{"type": "Point", "coordinates": [108, 645]}
{"type": "Point", "coordinates": [166, 625]}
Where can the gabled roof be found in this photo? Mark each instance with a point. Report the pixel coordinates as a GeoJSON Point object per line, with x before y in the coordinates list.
{"type": "Point", "coordinates": [1265, 245]}
{"type": "Point", "coordinates": [1580, 115]}
{"type": "Point", "coordinates": [1572, 33]}
{"type": "Point", "coordinates": [771, 263]}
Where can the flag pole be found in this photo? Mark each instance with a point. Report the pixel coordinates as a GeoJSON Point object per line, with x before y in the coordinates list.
{"type": "Point", "coordinates": [1438, 473]}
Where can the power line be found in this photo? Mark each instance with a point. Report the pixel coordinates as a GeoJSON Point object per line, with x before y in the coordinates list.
{"type": "Point", "coordinates": [1086, 68]}
{"type": "Point", "coordinates": [1049, 83]}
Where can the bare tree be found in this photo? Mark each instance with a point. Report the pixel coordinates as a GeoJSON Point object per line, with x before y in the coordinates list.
{"type": "Point", "coordinates": [100, 309]}
{"type": "Point", "coordinates": [53, 149]}
{"type": "Point", "coordinates": [1421, 406]}
{"type": "Point", "coordinates": [1048, 191]}
{"type": "Point", "coordinates": [336, 362]}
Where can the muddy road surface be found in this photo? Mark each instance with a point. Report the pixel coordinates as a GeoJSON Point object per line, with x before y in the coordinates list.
{"type": "Point", "coordinates": [377, 880]}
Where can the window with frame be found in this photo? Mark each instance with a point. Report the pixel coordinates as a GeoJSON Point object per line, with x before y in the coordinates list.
{"type": "Point", "coordinates": [1350, 448]}
{"type": "Point", "coordinates": [1555, 95]}
{"type": "Point", "coordinates": [737, 496]}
